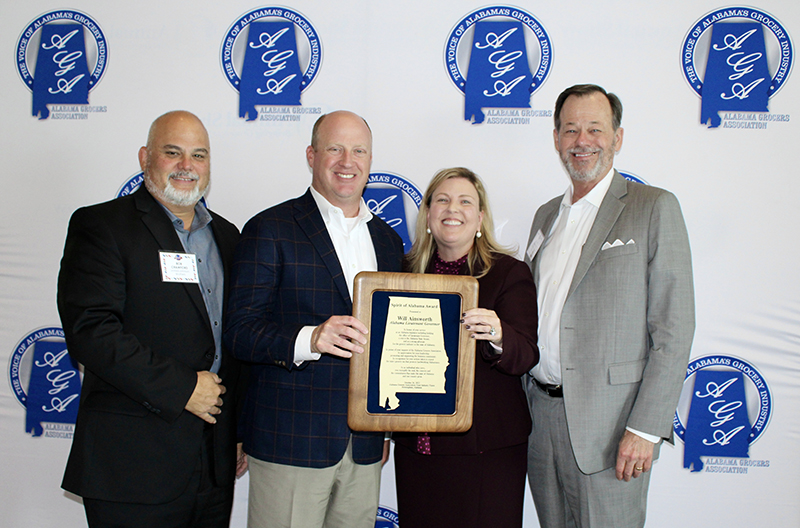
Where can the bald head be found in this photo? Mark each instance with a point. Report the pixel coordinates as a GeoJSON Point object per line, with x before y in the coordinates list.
{"type": "Point", "coordinates": [176, 160]}
{"type": "Point", "coordinates": [176, 118]}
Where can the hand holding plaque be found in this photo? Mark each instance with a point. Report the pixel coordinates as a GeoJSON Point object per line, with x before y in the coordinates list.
{"type": "Point", "coordinates": [417, 371]}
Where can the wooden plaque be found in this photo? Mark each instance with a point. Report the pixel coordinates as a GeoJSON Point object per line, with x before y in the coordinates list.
{"type": "Point", "coordinates": [406, 380]}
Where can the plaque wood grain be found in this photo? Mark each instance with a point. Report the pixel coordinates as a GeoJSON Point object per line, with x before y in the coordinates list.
{"type": "Point", "coordinates": [358, 416]}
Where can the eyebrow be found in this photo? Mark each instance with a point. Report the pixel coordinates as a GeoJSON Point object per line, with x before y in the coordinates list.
{"type": "Point", "coordinates": [176, 147]}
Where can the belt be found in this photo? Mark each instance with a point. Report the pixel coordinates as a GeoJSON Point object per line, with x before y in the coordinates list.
{"type": "Point", "coordinates": [554, 391]}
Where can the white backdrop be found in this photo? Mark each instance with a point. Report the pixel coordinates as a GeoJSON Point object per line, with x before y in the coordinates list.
{"type": "Point", "coordinates": [386, 61]}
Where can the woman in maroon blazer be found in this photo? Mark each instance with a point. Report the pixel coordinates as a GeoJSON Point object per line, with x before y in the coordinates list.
{"type": "Point", "coordinates": [477, 478]}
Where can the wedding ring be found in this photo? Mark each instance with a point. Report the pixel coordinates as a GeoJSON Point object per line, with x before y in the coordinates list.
{"type": "Point", "coordinates": [638, 468]}
{"type": "Point", "coordinates": [492, 332]}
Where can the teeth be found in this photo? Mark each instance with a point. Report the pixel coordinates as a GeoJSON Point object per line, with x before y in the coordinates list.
{"type": "Point", "coordinates": [346, 176]}
{"type": "Point", "coordinates": [452, 222]}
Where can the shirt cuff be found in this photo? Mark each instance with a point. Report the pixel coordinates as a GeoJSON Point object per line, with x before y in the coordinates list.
{"type": "Point", "coordinates": [302, 346]}
{"type": "Point", "coordinates": [650, 438]}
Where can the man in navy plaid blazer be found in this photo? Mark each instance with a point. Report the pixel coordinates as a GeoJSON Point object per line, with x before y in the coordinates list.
{"type": "Point", "coordinates": [291, 296]}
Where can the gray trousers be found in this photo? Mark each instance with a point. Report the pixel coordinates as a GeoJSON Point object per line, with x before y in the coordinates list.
{"type": "Point", "coordinates": [563, 495]}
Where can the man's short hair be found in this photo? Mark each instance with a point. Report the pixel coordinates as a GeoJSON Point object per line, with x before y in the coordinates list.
{"type": "Point", "coordinates": [582, 90]}
{"type": "Point", "coordinates": [318, 123]}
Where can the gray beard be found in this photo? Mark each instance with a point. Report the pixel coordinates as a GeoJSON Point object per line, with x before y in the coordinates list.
{"type": "Point", "coordinates": [172, 195]}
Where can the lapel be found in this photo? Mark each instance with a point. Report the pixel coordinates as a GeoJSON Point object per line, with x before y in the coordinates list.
{"type": "Point", "coordinates": [309, 219]}
{"type": "Point", "coordinates": [549, 218]}
{"type": "Point", "coordinates": [157, 222]}
{"type": "Point", "coordinates": [607, 216]}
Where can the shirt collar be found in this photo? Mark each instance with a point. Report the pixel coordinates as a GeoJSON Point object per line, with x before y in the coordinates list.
{"type": "Point", "coordinates": [595, 196]}
{"type": "Point", "coordinates": [201, 217]}
{"type": "Point", "coordinates": [328, 210]}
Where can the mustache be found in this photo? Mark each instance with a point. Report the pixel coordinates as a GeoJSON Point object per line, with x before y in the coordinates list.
{"type": "Point", "coordinates": [184, 175]}
{"type": "Point", "coordinates": [584, 150]}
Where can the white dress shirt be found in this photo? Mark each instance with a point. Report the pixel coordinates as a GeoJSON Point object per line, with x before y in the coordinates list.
{"type": "Point", "coordinates": [559, 257]}
{"type": "Point", "coordinates": [353, 245]}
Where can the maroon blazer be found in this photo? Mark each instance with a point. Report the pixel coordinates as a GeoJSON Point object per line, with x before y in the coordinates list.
{"type": "Point", "coordinates": [500, 416]}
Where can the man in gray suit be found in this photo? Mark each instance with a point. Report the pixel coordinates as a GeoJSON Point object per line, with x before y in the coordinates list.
{"type": "Point", "coordinates": [613, 271]}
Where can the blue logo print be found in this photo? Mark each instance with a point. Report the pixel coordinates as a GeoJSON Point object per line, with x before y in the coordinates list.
{"type": "Point", "coordinates": [735, 56]}
{"type": "Point", "coordinates": [384, 197]}
{"type": "Point", "coordinates": [730, 408]}
{"type": "Point", "coordinates": [386, 518]}
{"type": "Point", "coordinates": [46, 382]}
{"type": "Point", "coordinates": [131, 185]}
{"type": "Point", "coordinates": [55, 43]}
{"type": "Point", "coordinates": [263, 58]}
{"type": "Point", "coordinates": [506, 66]}
{"type": "Point", "coordinates": [632, 177]}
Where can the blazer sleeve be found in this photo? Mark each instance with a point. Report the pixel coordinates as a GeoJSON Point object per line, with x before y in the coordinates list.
{"type": "Point", "coordinates": [92, 294]}
{"type": "Point", "coordinates": [670, 319]}
{"type": "Point", "coordinates": [515, 305]}
{"type": "Point", "coordinates": [254, 330]}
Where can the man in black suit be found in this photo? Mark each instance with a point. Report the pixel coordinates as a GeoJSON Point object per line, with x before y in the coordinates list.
{"type": "Point", "coordinates": [140, 294]}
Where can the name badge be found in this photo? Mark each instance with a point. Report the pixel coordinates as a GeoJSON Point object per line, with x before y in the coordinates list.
{"type": "Point", "coordinates": [178, 267]}
{"type": "Point", "coordinates": [536, 243]}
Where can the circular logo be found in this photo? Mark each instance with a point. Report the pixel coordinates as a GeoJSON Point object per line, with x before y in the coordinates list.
{"type": "Point", "coordinates": [632, 177]}
{"type": "Point", "coordinates": [386, 518]}
{"type": "Point", "coordinates": [309, 47]}
{"type": "Point", "coordinates": [757, 393]}
{"type": "Point", "coordinates": [29, 41]}
{"type": "Point", "coordinates": [19, 370]}
{"type": "Point", "coordinates": [459, 44]}
{"type": "Point", "coordinates": [131, 185]}
{"type": "Point", "coordinates": [696, 45]}
{"type": "Point", "coordinates": [381, 197]}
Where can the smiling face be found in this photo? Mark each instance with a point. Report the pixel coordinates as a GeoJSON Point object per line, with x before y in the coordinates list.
{"type": "Point", "coordinates": [454, 217]}
{"type": "Point", "coordinates": [586, 140]}
{"type": "Point", "coordinates": [176, 161]}
{"type": "Point", "coordinates": [341, 159]}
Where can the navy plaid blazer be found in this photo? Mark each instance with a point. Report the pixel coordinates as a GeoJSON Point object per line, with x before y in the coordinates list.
{"type": "Point", "coordinates": [286, 275]}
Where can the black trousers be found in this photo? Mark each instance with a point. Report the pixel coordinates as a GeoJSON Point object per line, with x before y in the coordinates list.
{"type": "Point", "coordinates": [201, 505]}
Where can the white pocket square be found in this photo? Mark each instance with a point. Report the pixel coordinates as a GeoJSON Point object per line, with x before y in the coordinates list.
{"type": "Point", "coordinates": [608, 245]}
{"type": "Point", "coordinates": [616, 243]}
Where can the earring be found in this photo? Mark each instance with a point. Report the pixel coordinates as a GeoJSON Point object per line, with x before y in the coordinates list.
{"type": "Point", "coordinates": [428, 230]}
{"type": "Point", "coordinates": [478, 234]}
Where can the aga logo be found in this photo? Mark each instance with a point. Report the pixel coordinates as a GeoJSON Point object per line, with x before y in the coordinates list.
{"type": "Point", "coordinates": [736, 59]}
{"type": "Point", "coordinates": [508, 55]}
{"type": "Point", "coordinates": [270, 56]}
{"type": "Point", "coordinates": [61, 56]}
{"type": "Point", "coordinates": [396, 201]}
{"type": "Point", "coordinates": [46, 381]}
{"type": "Point", "coordinates": [725, 406]}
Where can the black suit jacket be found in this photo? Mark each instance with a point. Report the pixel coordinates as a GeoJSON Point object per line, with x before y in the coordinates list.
{"type": "Point", "coordinates": [141, 342]}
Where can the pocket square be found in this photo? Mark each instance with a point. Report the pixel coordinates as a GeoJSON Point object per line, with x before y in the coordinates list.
{"type": "Point", "coordinates": [629, 242]}
{"type": "Point", "coordinates": [616, 243]}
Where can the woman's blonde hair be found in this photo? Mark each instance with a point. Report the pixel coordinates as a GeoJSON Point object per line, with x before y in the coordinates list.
{"type": "Point", "coordinates": [484, 249]}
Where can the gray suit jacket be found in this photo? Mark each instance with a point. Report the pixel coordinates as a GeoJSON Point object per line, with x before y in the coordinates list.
{"type": "Point", "coordinates": [628, 321]}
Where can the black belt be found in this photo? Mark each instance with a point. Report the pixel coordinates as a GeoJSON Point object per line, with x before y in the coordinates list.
{"type": "Point", "coordinates": [554, 391]}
